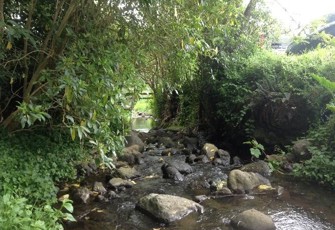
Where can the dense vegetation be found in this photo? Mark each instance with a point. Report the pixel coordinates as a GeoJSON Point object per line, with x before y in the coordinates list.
{"type": "Point", "coordinates": [72, 70]}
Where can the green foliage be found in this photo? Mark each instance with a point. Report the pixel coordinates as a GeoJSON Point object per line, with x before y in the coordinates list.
{"type": "Point", "coordinates": [256, 149]}
{"type": "Point", "coordinates": [330, 85]}
{"type": "Point", "coordinates": [30, 113]}
{"type": "Point", "coordinates": [30, 168]}
{"type": "Point", "coordinates": [17, 213]}
{"type": "Point", "coordinates": [144, 106]}
{"type": "Point", "coordinates": [31, 164]}
{"type": "Point", "coordinates": [320, 168]}
{"type": "Point", "coordinates": [64, 74]}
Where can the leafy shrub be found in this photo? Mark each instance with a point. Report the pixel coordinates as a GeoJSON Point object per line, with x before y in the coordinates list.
{"type": "Point", "coordinates": [17, 213]}
{"type": "Point", "coordinates": [31, 164]}
{"type": "Point", "coordinates": [320, 168]}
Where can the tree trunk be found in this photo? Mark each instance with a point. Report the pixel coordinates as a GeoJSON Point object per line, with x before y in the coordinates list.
{"type": "Point", "coordinates": [250, 8]}
{"type": "Point", "coordinates": [248, 14]}
{"type": "Point", "coordinates": [2, 18]}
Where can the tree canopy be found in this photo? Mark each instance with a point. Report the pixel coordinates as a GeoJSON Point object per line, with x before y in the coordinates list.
{"type": "Point", "coordinates": [80, 64]}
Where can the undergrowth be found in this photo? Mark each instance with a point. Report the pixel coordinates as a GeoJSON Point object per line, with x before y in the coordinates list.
{"type": "Point", "coordinates": [31, 164]}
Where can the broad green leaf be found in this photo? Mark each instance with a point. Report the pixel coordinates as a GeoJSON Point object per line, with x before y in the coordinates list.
{"type": "Point", "coordinates": [255, 152]}
{"type": "Point", "coordinates": [69, 217]}
{"type": "Point", "coordinates": [68, 206]}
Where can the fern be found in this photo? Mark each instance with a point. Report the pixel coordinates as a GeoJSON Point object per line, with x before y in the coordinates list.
{"type": "Point", "coordinates": [330, 85]}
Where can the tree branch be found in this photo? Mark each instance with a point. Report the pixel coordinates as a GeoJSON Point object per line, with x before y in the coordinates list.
{"type": "Point", "coordinates": [44, 63]}
{"type": "Point", "coordinates": [25, 46]}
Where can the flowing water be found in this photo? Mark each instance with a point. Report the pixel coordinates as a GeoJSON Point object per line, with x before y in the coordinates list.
{"type": "Point", "coordinates": [301, 206]}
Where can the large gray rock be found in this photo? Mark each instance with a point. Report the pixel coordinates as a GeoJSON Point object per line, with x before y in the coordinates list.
{"type": "Point", "coordinates": [128, 173]}
{"type": "Point", "coordinates": [133, 139]}
{"type": "Point", "coordinates": [190, 143]}
{"type": "Point", "coordinates": [131, 155]}
{"type": "Point", "coordinates": [171, 172]}
{"type": "Point", "coordinates": [260, 167]}
{"type": "Point", "coordinates": [209, 150]}
{"type": "Point", "coordinates": [222, 157]}
{"type": "Point", "coordinates": [119, 182]}
{"type": "Point", "coordinates": [81, 195]}
{"type": "Point", "coordinates": [168, 208]}
{"type": "Point", "coordinates": [182, 167]}
{"type": "Point", "coordinates": [252, 220]}
{"type": "Point", "coordinates": [244, 182]}
{"type": "Point", "coordinates": [166, 141]}
{"type": "Point", "coordinates": [99, 187]}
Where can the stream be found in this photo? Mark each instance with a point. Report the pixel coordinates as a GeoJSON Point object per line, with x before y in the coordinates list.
{"type": "Point", "coordinates": [302, 206]}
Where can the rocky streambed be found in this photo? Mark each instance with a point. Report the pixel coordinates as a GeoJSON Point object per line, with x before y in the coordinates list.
{"type": "Point", "coordinates": [170, 180]}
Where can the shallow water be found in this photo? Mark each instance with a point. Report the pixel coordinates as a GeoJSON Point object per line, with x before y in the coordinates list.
{"type": "Point", "coordinates": [301, 206]}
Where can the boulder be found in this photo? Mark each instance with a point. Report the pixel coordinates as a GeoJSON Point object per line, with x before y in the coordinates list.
{"type": "Point", "coordinates": [190, 143]}
{"type": "Point", "coordinates": [127, 172]}
{"type": "Point", "coordinates": [182, 167]}
{"type": "Point", "coordinates": [133, 139]}
{"type": "Point", "coordinates": [168, 208]}
{"type": "Point", "coordinates": [86, 169]}
{"type": "Point", "coordinates": [237, 161]}
{"type": "Point", "coordinates": [166, 141]}
{"type": "Point", "coordinates": [202, 158]}
{"type": "Point", "coordinates": [224, 191]}
{"type": "Point", "coordinates": [81, 195]}
{"type": "Point", "coordinates": [260, 167]}
{"type": "Point", "coordinates": [99, 187]}
{"type": "Point", "coordinates": [252, 220]}
{"type": "Point", "coordinates": [131, 155]}
{"type": "Point", "coordinates": [243, 182]}
{"type": "Point", "coordinates": [119, 182]}
{"type": "Point", "coordinates": [209, 150]}
{"type": "Point", "coordinates": [190, 159]}
{"type": "Point", "coordinates": [170, 152]}
{"type": "Point", "coordinates": [112, 195]}
{"type": "Point", "coordinates": [171, 172]}
{"type": "Point", "coordinates": [222, 157]}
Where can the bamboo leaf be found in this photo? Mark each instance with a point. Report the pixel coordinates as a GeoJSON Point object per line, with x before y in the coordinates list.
{"type": "Point", "coordinates": [73, 134]}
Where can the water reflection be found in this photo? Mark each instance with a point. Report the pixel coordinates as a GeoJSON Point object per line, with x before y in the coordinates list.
{"type": "Point", "coordinates": [143, 124]}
